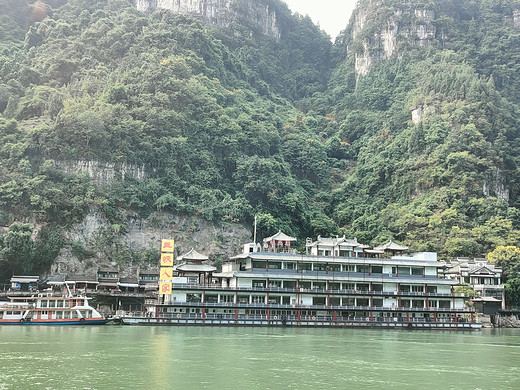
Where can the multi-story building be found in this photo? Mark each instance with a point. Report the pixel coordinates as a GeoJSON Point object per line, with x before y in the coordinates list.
{"type": "Point", "coordinates": [481, 276]}
{"type": "Point", "coordinates": [338, 282]}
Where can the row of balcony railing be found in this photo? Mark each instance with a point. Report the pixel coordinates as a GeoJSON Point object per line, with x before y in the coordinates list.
{"type": "Point", "coordinates": [215, 287]}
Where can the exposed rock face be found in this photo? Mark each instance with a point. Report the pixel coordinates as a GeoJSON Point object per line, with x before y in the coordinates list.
{"type": "Point", "coordinates": [381, 39]}
{"type": "Point", "coordinates": [102, 173]}
{"type": "Point", "coordinates": [145, 234]}
{"type": "Point", "coordinates": [220, 12]}
{"type": "Point", "coordinates": [495, 185]}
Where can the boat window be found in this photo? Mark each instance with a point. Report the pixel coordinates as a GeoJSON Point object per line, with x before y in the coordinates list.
{"type": "Point", "coordinates": [417, 288]}
{"type": "Point", "coordinates": [318, 301]}
{"type": "Point", "coordinates": [275, 265]}
{"type": "Point", "coordinates": [43, 303]}
{"type": "Point", "coordinates": [349, 268]}
{"type": "Point", "coordinates": [334, 286]}
{"type": "Point", "coordinates": [289, 265]}
{"type": "Point", "coordinates": [377, 269]}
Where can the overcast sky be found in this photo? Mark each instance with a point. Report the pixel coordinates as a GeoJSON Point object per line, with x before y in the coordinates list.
{"type": "Point", "coordinates": [331, 15]}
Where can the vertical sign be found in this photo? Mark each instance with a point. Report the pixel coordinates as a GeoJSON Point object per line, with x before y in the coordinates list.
{"type": "Point", "coordinates": [166, 272]}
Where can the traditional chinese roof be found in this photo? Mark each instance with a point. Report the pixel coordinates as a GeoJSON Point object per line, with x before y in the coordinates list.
{"type": "Point", "coordinates": [335, 241]}
{"type": "Point", "coordinates": [189, 267]}
{"type": "Point", "coordinates": [280, 237]}
{"type": "Point", "coordinates": [482, 271]}
{"type": "Point", "coordinates": [391, 246]}
{"type": "Point", "coordinates": [192, 255]}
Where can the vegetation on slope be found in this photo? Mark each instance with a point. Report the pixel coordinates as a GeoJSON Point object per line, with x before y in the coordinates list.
{"type": "Point", "coordinates": [229, 124]}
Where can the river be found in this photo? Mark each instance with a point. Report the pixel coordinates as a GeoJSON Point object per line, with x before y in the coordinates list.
{"type": "Point", "coordinates": [126, 357]}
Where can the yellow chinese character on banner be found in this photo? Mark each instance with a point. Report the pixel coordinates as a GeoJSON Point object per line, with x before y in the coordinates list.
{"type": "Point", "coordinates": [167, 246]}
{"type": "Point", "coordinates": [165, 288]}
{"type": "Point", "coordinates": [166, 274]}
{"type": "Point", "coordinates": [166, 260]}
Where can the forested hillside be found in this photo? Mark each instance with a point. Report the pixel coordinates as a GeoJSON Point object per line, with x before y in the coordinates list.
{"type": "Point", "coordinates": [405, 128]}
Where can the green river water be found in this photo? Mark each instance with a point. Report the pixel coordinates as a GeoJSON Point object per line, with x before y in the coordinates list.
{"type": "Point", "coordinates": [119, 357]}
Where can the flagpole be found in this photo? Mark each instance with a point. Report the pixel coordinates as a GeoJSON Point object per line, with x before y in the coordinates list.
{"type": "Point", "coordinates": [254, 234]}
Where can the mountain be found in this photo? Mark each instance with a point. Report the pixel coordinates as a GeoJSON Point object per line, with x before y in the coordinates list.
{"type": "Point", "coordinates": [122, 122]}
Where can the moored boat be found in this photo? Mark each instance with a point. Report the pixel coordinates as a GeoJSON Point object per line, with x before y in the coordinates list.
{"type": "Point", "coordinates": [49, 309]}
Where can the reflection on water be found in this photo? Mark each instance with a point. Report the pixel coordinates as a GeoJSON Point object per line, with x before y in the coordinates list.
{"type": "Point", "coordinates": [118, 357]}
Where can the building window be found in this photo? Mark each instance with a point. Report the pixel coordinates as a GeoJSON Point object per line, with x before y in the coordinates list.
{"type": "Point", "coordinates": [289, 284]}
{"type": "Point", "coordinates": [432, 290]}
{"type": "Point", "coordinates": [377, 302]}
{"type": "Point", "coordinates": [362, 269]}
{"type": "Point", "coordinates": [444, 304]}
{"type": "Point", "coordinates": [349, 268]}
{"type": "Point", "coordinates": [403, 270]}
{"type": "Point", "coordinates": [320, 301]}
{"type": "Point", "coordinates": [305, 266]}
{"type": "Point", "coordinates": [417, 303]}
{"type": "Point", "coordinates": [275, 283]}
{"type": "Point", "coordinates": [289, 266]}
{"type": "Point", "coordinates": [334, 286]}
{"type": "Point", "coordinates": [258, 283]}
{"type": "Point", "coordinates": [418, 271]}
{"type": "Point", "coordinates": [363, 302]}
{"type": "Point", "coordinates": [319, 267]}
{"type": "Point", "coordinates": [418, 289]}
{"type": "Point", "coordinates": [275, 265]}
{"type": "Point", "coordinates": [306, 285]}
{"type": "Point", "coordinates": [377, 269]}
{"type": "Point", "coordinates": [335, 301]}
{"type": "Point", "coordinates": [259, 264]}
{"type": "Point", "coordinates": [319, 285]}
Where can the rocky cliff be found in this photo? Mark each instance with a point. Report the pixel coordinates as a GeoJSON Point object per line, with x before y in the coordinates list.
{"type": "Point", "coordinates": [226, 13]}
{"type": "Point", "coordinates": [96, 242]}
{"type": "Point", "coordinates": [379, 35]}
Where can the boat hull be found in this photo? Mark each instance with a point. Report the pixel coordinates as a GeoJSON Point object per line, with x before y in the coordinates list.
{"type": "Point", "coordinates": [158, 321]}
{"type": "Point", "coordinates": [56, 322]}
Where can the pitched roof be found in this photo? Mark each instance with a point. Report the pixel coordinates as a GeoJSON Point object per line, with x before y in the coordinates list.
{"type": "Point", "coordinates": [280, 237]}
{"type": "Point", "coordinates": [391, 246]}
{"type": "Point", "coordinates": [192, 255]}
{"type": "Point", "coordinates": [195, 268]}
